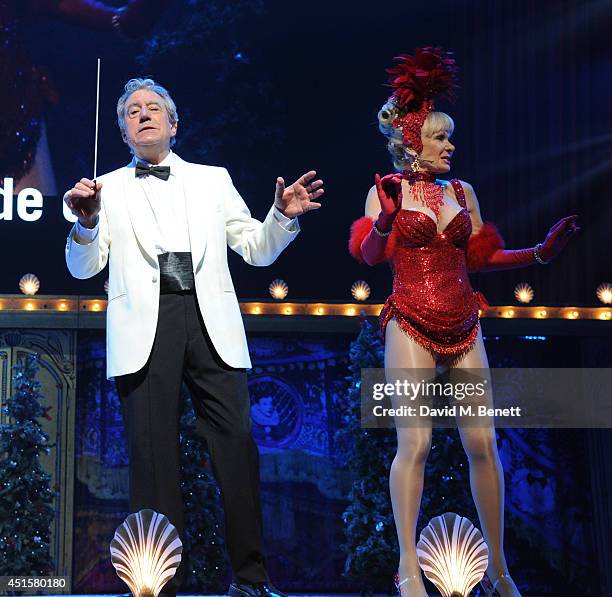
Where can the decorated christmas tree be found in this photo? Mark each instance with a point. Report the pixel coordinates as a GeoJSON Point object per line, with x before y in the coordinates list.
{"type": "Point", "coordinates": [203, 546]}
{"type": "Point", "coordinates": [371, 543]}
{"type": "Point", "coordinates": [26, 498]}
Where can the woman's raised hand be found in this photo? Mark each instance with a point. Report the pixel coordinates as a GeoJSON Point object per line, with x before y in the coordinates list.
{"type": "Point", "coordinates": [389, 190]}
{"type": "Point", "coordinates": [558, 236]}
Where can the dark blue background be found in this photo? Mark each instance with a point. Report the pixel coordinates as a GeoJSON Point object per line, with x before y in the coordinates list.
{"type": "Point", "coordinates": [270, 88]}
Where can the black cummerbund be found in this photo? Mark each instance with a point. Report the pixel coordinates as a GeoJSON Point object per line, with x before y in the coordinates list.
{"type": "Point", "coordinates": [175, 272]}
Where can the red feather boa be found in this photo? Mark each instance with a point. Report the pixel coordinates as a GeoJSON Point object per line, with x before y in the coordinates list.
{"type": "Point", "coordinates": [359, 230]}
{"type": "Point", "coordinates": [482, 245]}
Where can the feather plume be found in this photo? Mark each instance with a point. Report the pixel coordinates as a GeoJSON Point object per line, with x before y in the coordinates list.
{"type": "Point", "coordinates": [482, 245]}
{"type": "Point", "coordinates": [359, 230]}
{"type": "Point", "coordinates": [430, 73]}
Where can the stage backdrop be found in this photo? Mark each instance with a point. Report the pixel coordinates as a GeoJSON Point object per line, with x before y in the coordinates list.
{"type": "Point", "coordinates": [294, 386]}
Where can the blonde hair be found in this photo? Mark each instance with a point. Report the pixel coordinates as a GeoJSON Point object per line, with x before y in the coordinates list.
{"type": "Point", "coordinates": [401, 155]}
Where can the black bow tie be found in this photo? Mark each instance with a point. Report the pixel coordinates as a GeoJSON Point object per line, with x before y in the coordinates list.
{"type": "Point", "coordinates": [162, 172]}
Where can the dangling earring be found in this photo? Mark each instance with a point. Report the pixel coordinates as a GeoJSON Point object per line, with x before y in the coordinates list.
{"type": "Point", "coordinates": [415, 164]}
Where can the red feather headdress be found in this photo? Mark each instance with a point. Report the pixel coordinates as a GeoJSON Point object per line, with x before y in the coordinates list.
{"type": "Point", "coordinates": [418, 80]}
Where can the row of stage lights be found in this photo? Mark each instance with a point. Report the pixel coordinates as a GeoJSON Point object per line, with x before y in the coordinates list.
{"type": "Point", "coordinates": [360, 290]}
{"type": "Point", "coordinates": [279, 290]}
{"type": "Point", "coordinates": [30, 285]}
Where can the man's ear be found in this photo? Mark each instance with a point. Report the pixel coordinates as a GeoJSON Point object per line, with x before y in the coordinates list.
{"type": "Point", "coordinates": [173, 129]}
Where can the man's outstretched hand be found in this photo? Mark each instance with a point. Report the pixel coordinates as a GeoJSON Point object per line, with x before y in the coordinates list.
{"type": "Point", "coordinates": [300, 197]}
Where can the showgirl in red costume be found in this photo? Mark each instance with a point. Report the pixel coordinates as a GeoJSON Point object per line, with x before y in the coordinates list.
{"type": "Point", "coordinates": [432, 233]}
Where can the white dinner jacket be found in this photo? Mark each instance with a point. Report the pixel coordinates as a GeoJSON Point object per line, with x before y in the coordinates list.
{"type": "Point", "coordinates": [217, 217]}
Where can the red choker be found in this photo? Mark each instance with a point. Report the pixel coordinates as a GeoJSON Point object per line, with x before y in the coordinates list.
{"type": "Point", "coordinates": [420, 176]}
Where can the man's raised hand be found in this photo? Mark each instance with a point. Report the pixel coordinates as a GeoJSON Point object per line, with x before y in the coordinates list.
{"type": "Point", "coordinates": [83, 200]}
{"type": "Point", "coordinates": [300, 197]}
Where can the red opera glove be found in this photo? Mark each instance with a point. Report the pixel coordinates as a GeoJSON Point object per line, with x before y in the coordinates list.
{"type": "Point", "coordinates": [389, 191]}
{"type": "Point", "coordinates": [509, 259]}
{"type": "Point", "coordinates": [365, 243]}
{"type": "Point", "coordinates": [485, 250]}
{"type": "Point", "coordinates": [558, 236]}
{"type": "Point", "coordinates": [368, 240]}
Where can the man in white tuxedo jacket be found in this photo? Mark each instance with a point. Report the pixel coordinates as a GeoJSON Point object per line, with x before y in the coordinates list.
{"type": "Point", "coordinates": [164, 225]}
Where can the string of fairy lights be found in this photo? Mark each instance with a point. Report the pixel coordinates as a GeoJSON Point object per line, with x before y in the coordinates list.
{"type": "Point", "coordinates": [29, 285]}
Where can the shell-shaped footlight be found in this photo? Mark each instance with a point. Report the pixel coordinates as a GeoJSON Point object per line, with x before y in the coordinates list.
{"type": "Point", "coordinates": [146, 551]}
{"type": "Point", "coordinates": [360, 290]}
{"type": "Point", "coordinates": [604, 293]}
{"type": "Point", "coordinates": [452, 554]}
{"type": "Point", "coordinates": [29, 284]}
{"type": "Point", "coordinates": [523, 293]}
{"type": "Point", "coordinates": [278, 289]}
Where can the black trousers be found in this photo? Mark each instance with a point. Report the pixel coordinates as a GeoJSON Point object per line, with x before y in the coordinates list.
{"type": "Point", "coordinates": [182, 350]}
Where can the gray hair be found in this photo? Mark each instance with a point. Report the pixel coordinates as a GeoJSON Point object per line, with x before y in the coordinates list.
{"type": "Point", "coordinates": [134, 85]}
{"type": "Point", "coordinates": [401, 155]}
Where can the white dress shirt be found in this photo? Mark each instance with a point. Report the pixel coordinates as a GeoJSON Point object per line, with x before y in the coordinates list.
{"type": "Point", "coordinates": [166, 200]}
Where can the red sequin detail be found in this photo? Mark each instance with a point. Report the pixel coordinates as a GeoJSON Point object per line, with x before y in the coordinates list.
{"type": "Point", "coordinates": [411, 124]}
{"type": "Point", "coordinates": [417, 81]}
{"type": "Point", "coordinates": [432, 299]}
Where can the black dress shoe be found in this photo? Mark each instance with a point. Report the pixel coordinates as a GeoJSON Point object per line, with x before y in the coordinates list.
{"type": "Point", "coordinates": [254, 590]}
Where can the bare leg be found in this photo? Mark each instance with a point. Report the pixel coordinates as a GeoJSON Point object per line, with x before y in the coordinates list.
{"type": "Point", "coordinates": [408, 467]}
{"type": "Point", "coordinates": [487, 478]}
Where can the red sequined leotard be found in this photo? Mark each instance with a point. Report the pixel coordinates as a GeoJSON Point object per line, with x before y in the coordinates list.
{"type": "Point", "coordinates": [432, 299]}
